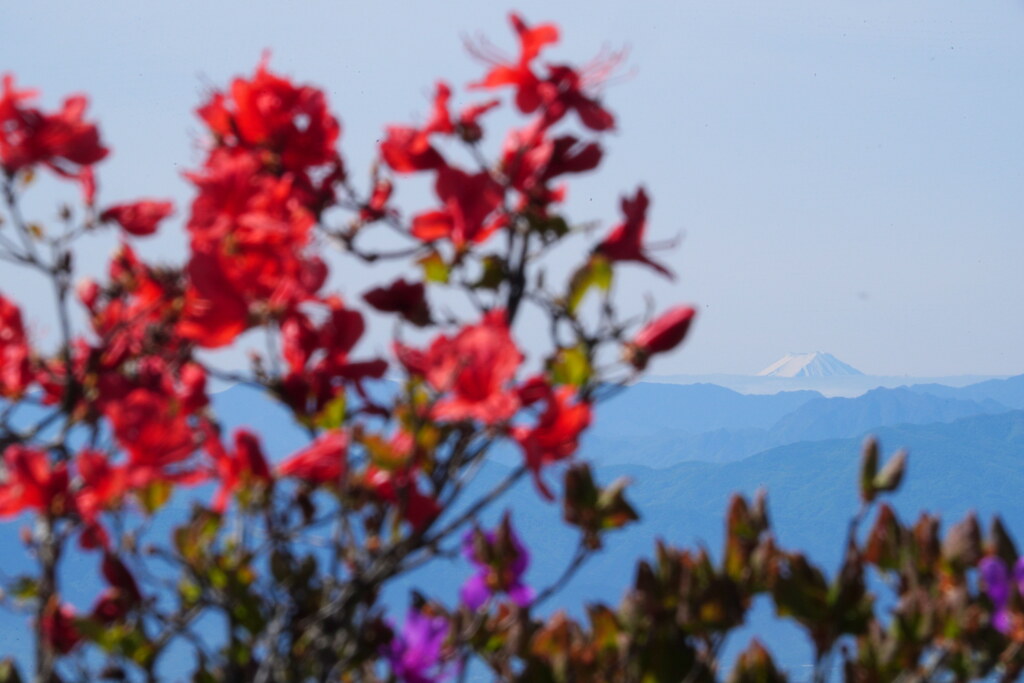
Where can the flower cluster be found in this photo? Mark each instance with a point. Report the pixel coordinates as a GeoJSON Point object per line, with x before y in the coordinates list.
{"type": "Point", "coordinates": [394, 438]}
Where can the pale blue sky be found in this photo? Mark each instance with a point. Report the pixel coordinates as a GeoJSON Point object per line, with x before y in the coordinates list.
{"type": "Point", "coordinates": [847, 174]}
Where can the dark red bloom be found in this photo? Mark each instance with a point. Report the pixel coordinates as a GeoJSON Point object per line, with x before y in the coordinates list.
{"type": "Point", "coordinates": [15, 368]}
{"type": "Point", "coordinates": [322, 462]}
{"type": "Point", "coordinates": [473, 370]}
{"type": "Point", "coordinates": [118, 576]}
{"type": "Point", "coordinates": [405, 298]}
{"type": "Point", "coordinates": [138, 218]}
{"type": "Point", "coordinates": [58, 627]}
{"type": "Point", "coordinates": [661, 335]}
{"type": "Point", "coordinates": [562, 92]}
{"type": "Point", "coordinates": [400, 488]}
{"type": "Point", "coordinates": [625, 242]}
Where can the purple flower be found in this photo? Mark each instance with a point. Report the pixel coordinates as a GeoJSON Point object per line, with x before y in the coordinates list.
{"type": "Point", "coordinates": [499, 570]}
{"type": "Point", "coordinates": [415, 653]}
{"type": "Point", "coordinates": [998, 586]}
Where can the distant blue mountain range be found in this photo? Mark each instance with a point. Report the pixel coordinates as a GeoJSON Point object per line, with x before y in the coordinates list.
{"type": "Point", "coordinates": [687, 448]}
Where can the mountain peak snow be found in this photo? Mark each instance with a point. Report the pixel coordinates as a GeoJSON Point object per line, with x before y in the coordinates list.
{"type": "Point", "coordinates": [814, 364]}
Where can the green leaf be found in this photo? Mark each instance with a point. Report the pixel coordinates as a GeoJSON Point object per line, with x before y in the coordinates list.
{"type": "Point", "coordinates": [155, 496]}
{"type": "Point", "coordinates": [333, 414]}
{"type": "Point", "coordinates": [24, 588]}
{"type": "Point", "coordinates": [434, 268]}
{"type": "Point", "coordinates": [596, 272]}
{"type": "Point", "coordinates": [571, 366]}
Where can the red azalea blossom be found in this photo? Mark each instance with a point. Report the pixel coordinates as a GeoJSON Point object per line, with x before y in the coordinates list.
{"type": "Point", "coordinates": [269, 112]}
{"type": "Point", "coordinates": [62, 141]}
{"type": "Point", "coordinates": [322, 462]}
{"type": "Point", "coordinates": [470, 202]}
{"type": "Point", "coordinates": [556, 435]}
{"type": "Point", "coordinates": [376, 208]}
{"type": "Point", "coordinates": [407, 150]}
{"type": "Point", "coordinates": [58, 627]}
{"type": "Point", "coordinates": [151, 426]}
{"type": "Point", "coordinates": [15, 368]}
{"type": "Point", "coordinates": [562, 92]}
{"type": "Point", "coordinates": [244, 466]}
{"type": "Point", "coordinates": [532, 160]}
{"type": "Point", "coordinates": [103, 485]}
{"type": "Point", "coordinates": [33, 483]}
{"type": "Point", "coordinates": [473, 369]}
{"type": "Point", "coordinates": [625, 242]}
{"type": "Point", "coordinates": [661, 335]}
{"type": "Point", "coordinates": [400, 488]}
{"type": "Point", "coordinates": [138, 218]}
{"type": "Point", "coordinates": [403, 297]}
{"type": "Point", "coordinates": [519, 73]}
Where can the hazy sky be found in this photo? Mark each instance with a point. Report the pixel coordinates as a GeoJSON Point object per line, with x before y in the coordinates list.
{"type": "Point", "coordinates": [847, 175]}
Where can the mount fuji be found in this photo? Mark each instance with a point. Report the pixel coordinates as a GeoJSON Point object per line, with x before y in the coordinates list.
{"type": "Point", "coordinates": [815, 364]}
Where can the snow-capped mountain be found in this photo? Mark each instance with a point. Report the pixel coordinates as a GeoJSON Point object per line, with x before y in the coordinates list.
{"type": "Point", "coordinates": [815, 364]}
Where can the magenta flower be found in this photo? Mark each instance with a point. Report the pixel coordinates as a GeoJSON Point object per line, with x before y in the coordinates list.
{"type": "Point", "coordinates": [415, 653]}
{"type": "Point", "coordinates": [998, 586]}
{"type": "Point", "coordinates": [501, 560]}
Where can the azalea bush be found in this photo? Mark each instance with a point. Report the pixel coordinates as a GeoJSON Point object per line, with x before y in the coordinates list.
{"type": "Point", "coordinates": [277, 572]}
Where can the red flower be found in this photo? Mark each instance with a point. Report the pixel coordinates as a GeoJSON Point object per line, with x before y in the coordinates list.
{"type": "Point", "coordinates": [15, 368]}
{"type": "Point", "coordinates": [518, 73]}
{"type": "Point", "coordinates": [407, 149]}
{"type": "Point", "coordinates": [473, 369]}
{"type": "Point", "coordinates": [531, 160]}
{"type": "Point", "coordinates": [625, 242]}
{"type": "Point", "coordinates": [63, 141]}
{"type": "Point", "coordinates": [152, 426]}
{"type": "Point", "coordinates": [562, 91]}
{"type": "Point", "coordinates": [33, 482]}
{"type": "Point", "coordinates": [58, 627]}
{"type": "Point", "coordinates": [103, 485]}
{"type": "Point", "coordinates": [405, 298]}
{"type": "Point", "coordinates": [556, 434]}
{"type": "Point", "coordinates": [658, 336]}
{"type": "Point", "coordinates": [322, 462]}
{"type": "Point", "coordinates": [318, 357]}
{"type": "Point", "coordinates": [470, 202]}
{"type": "Point", "coordinates": [138, 218]}
{"type": "Point", "coordinates": [213, 313]}
{"type": "Point", "coordinates": [118, 576]}
{"type": "Point", "coordinates": [269, 112]}
{"type": "Point", "coordinates": [241, 468]}
{"type": "Point", "coordinates": [376, 208]}
{"type": "Point", "coordinates": [400, 488]}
